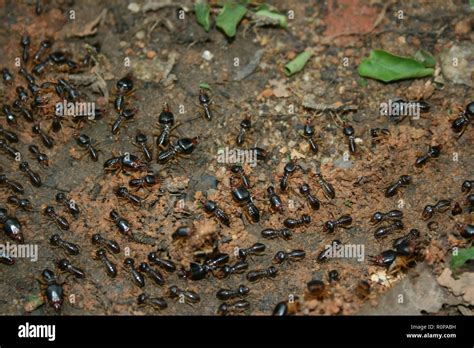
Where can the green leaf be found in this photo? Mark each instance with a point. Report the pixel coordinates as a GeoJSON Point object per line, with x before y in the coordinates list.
{"type": "Point", "coordinates": [204, 86]}
{"type": "Point", "coordinates": [386, 67]}
{"type": "Point", "coordinates": [425, 58]}
{"type": "Point", "coordinates": [362, 82]}
{"type": "Point", "coordinates": [298, 63]}
{"type": "Point", "coordinates": [273, 15]}
{"type": "Point", "coordinates": [229, 17]}
{"type": "Point", "coordinates": [202, 10]}
{"type": "Point", "coordinates": [461, 257]}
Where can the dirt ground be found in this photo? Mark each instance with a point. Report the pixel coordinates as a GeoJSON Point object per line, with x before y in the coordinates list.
{"type": "Point", "coordinates": [167, 64]}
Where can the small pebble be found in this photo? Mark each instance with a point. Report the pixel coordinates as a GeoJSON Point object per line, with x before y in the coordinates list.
{"type": "Point", "coordinates": [207, 55]}
{"type": "Point", "coordinates": [134, 7]}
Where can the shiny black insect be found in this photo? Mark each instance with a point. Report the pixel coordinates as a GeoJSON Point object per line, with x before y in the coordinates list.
{"type": "Point", "coordinates": [27, 114]}
{"type": "Point", "coordinates": [385, 230]}
{"type": "Point", "coordinates": [70, 204]}
{"type": "Point", "coordinates": [391, 190]}
{"type": "Point", "coordinates": [167, 265]}
{"type": "Point", "coordinates": [7, 76]}
{"type": "Point", "coordinates": [16, 187]}
{"type": "Point", "coordinates": [211, 207]}
{"type": "Point", "coordinates": [87, 144]}
{"type": "Point", "coordinates": [72, 93]}
{"type": "Point", "coordinates": [440, 207]}
{"type": "Point", "coordinates": [384, 259]}
{"type": "Point", "coordinates": [333, 276]}
{"type": "Point", "coordinates": [290, 168]}
{"type": "Point", "coordinates": [293, 255]}
{"type": "Point", "coordinates": [295, 222]}
{"type": "Point", "coordinates": [467, 186]}
{"type": "Point", "coordinates": [270, 272]}
{"type": "Point", "coordinates": [10, 116]}
{"type": "Point", "coordinates": [44, 45]}
{"type": "Point", "coordinates": [245, 126]}
{"type": "Point", "coordinates": [238, 170]}
{"type": "Point", "coordinates": [260, 153]}
{"type": "Point", "coordinates": [308, 134]}
{"type": "Point", "coordinates": [127, 162]}
{"type": "Point", "coordinates": [183, 146]}
{"type": "Point", "coordinates": [400, 244]}
{"type": "Point", "coordinates": [205, 102]}
{"type": "Point", "coordinates": [235, 307]}
{"type": "Point", "coordinates": [155, 302]}
{"type": "Point", "coordinates": [8, 135]}
{"type": "Point", "coordinates": [110, 267]}
{"type": "Point", "coordinates": [461, 123]}
{"type": "Point", "coordinates": [275, 200]}
{"type": "Point", "coordinates": [378, 217]}
{"type": "Point", "coordinates": [182, 232]}
{"type": "Point", "coordinates": [155, 275]}
{"type": "Point", "coordinates": [34, 177]}
{"type": "Point", "coordinates": [28, 77]}
{"type": "Point", "coordinates": [166, 125]}
{"type": "Point", "coordinates": [185, 295]}
{"type": "Point", "coordinates": [148, 180]}
{"type": "Point", "coordinates": [124, 115]}
{"type": "Point", "coordinates": [42, 158]}
{"type": "Point", "coordinates": [57, 57]}
{"type": "Point", "coordinates": [22, 203]}
{"type": "Point", "coordinates": [433, 152]}
{"type": "Point", "coordinates": [25, 44]}
{"type": "Point", "coordinates": [53, 290]}
{"type": "Point", "coordinates": [110, 244]}
{"type": "Point", "coordinates": [349, 132]}
{"type": "Point", "coordinates": [466, 230]}
{"type": "Point", "coordinates": [60, 221]}
{"type": "Point", "coordinates": [199, 271]}
{"type": "Point", "coordinates": [141, 141]}
{"type": "Point", "coordinates": [11, 226]}
{"type": "Point", "coordinates": [280, 310]}
{"type": "Point", "coordinates": [123, 192]}
{"type": "Point", "coordinates": [137, 277]}
{"type": "Point", "coordinates": [237, 268]}
{"type": "Point", "coordinates": [378, 134]}
{"type": "Point", "coordinates": [122, 224]}
{"type": "Point", "coordinates": [70, 248]}
{"type": "Point", "coordinates": [6, 259]}
{"type": "Point", "coordinates": [242, 197]}
{"type": "Point", "coordinates": [329, 250]}
{"type": "Point", "coordinates": [22, 94]}
{"type": "Point", "coordinates": [255, 249]}
{"type": "Point", "coordinates": [66, 266]}
{"type": "Point", "coordinates": [313, 202]}
{"type": "Point", "coordinates": [9, 150]}
{"type": "Point", "coordinates": [40, 68]}
{"type": "Point", "coordinates": [271, 233]}
{"type": "Point", "coordinates": [228, 294]}
{"type": "Point", "coordinates": [45, 138]}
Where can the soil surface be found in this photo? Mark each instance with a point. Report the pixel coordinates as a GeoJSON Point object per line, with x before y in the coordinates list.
{"type": "Point", "coordinates": [166, 53]}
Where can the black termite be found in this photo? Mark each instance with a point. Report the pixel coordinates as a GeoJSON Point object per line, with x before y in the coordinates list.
{"type": "Point", "coordinates": [281, 309]}
{"type": "Point", "coordinates": [88, 145]}
{"type": "Point", "coordinates": [11, 226]}
{"type": "Point", "coordinates": [66, 266]}
{"type": "Point", "coordinates": [166, 125]}
{"type": "Point", "coordinates": [22, 203]}
{"type": "Point", "coordinates": [16, 187]}
{"type": "Point", "coordinates": [110, 267]}
{"type": "Point", "coordinates": [123, 192]}
{"type": "Point", "coordinates": [466, 230]}
{"type": "Point", "coordinates": [440, 206]}
{"type": "Point", "coordinates": [137, 277]}
{"type": "Point", "coordinates": [34, 177]}
{"type": "Point", "coordinates": [7, 76]}
{"type": "Point", "coordinates": [239, 171]}
{"type": "Point", "coordinates": [228, 294]}
{"type": "Point", "coordinates": [155, 302]}
{"type": "Point", "coordinates": [27, 114]}
{"type": "Point", "coordinates": [289, 169]}
{"type": "Point", "coordinates": [167, 265]}
{"type": "Point", "coordinates": [270, 272]}
{"type": "Point", "coordinates": [271, 233]}
{"type": "Point", "coordinates": [10, 116]}
{"type": "Point", "coordinates": [10, 150]}
{"type": "Point", "coordinates": [70, 248]}
{"type": "Point", "coordinates": [313, 202]}
{"type": "Point", "coordinates": [293, 255]}
{"type": "Point", "coordinates": [211, 207]}
{"type": "Point", "coordinates": [60, 221]}
{"type": "Point", "coordinates": [413, 234]}
{"type": "Point", "coordinates": [237, 268]}
{"type": "Point", "coordinates": [384, 230]}
{"type": "Point", "coordinates": [52, 289]}
{"type": "Point", "coordinates": [245, 126]}
{"type": "Point", "coordinates": [433, 152]}
{"type": "Point", "coordinates": [467, 185]}
{"type": "Point", "coordinates": [182, 232]}
{"type": "Point", "coordinates": [391, 215]}
{"type": "Point", "coordinates": [404, 180]}
{"type": "Point", "coordinates": [25, 44]}
{"type": "Point", "coordinates": [122, 224]}
{"type": "Point", "coordinates": [45, 138]}
{"type": "Point", "coordinates": [308, 134]}
{"type": "Point", "coordinates": [110, 244]}
{"type": "Point", "coordinates": [70, 204]}
{"type": "Point", "coordinates": [329, 251]}
{"type": "Point", "coordinates": [297, 222]}
{"type": "Point", "coordinates": [384, 259]}
{"type": "Point", "coordinates": [8, 135]}
{"type": "Point", "coordinates": [42, 158]}
{"type": "Point", "coordinates": [461, 123]}
{"type": "Point", "coordinates": [141, 141]}
{"type": "Point", "coordinates": [328, 189]}
{"type": "Point", "coordinates": [255, 249]}
{"type": "Point", "coordinates": [182, 146]}
{"type": "Point", "coordinates": [275, 200]}
{"type": "Point", "coordinates": [44, 45]}
{"type": "Point", "coordinates": [235, 307]}
{"type": "Point", "coordinates": [349, 132]}
{"type": "Point", "coordinates": [205, 102]}
{"type": "Point", "coordinates": [187, 296]}
{"type": "Point", "coordinates": [155, 275]}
